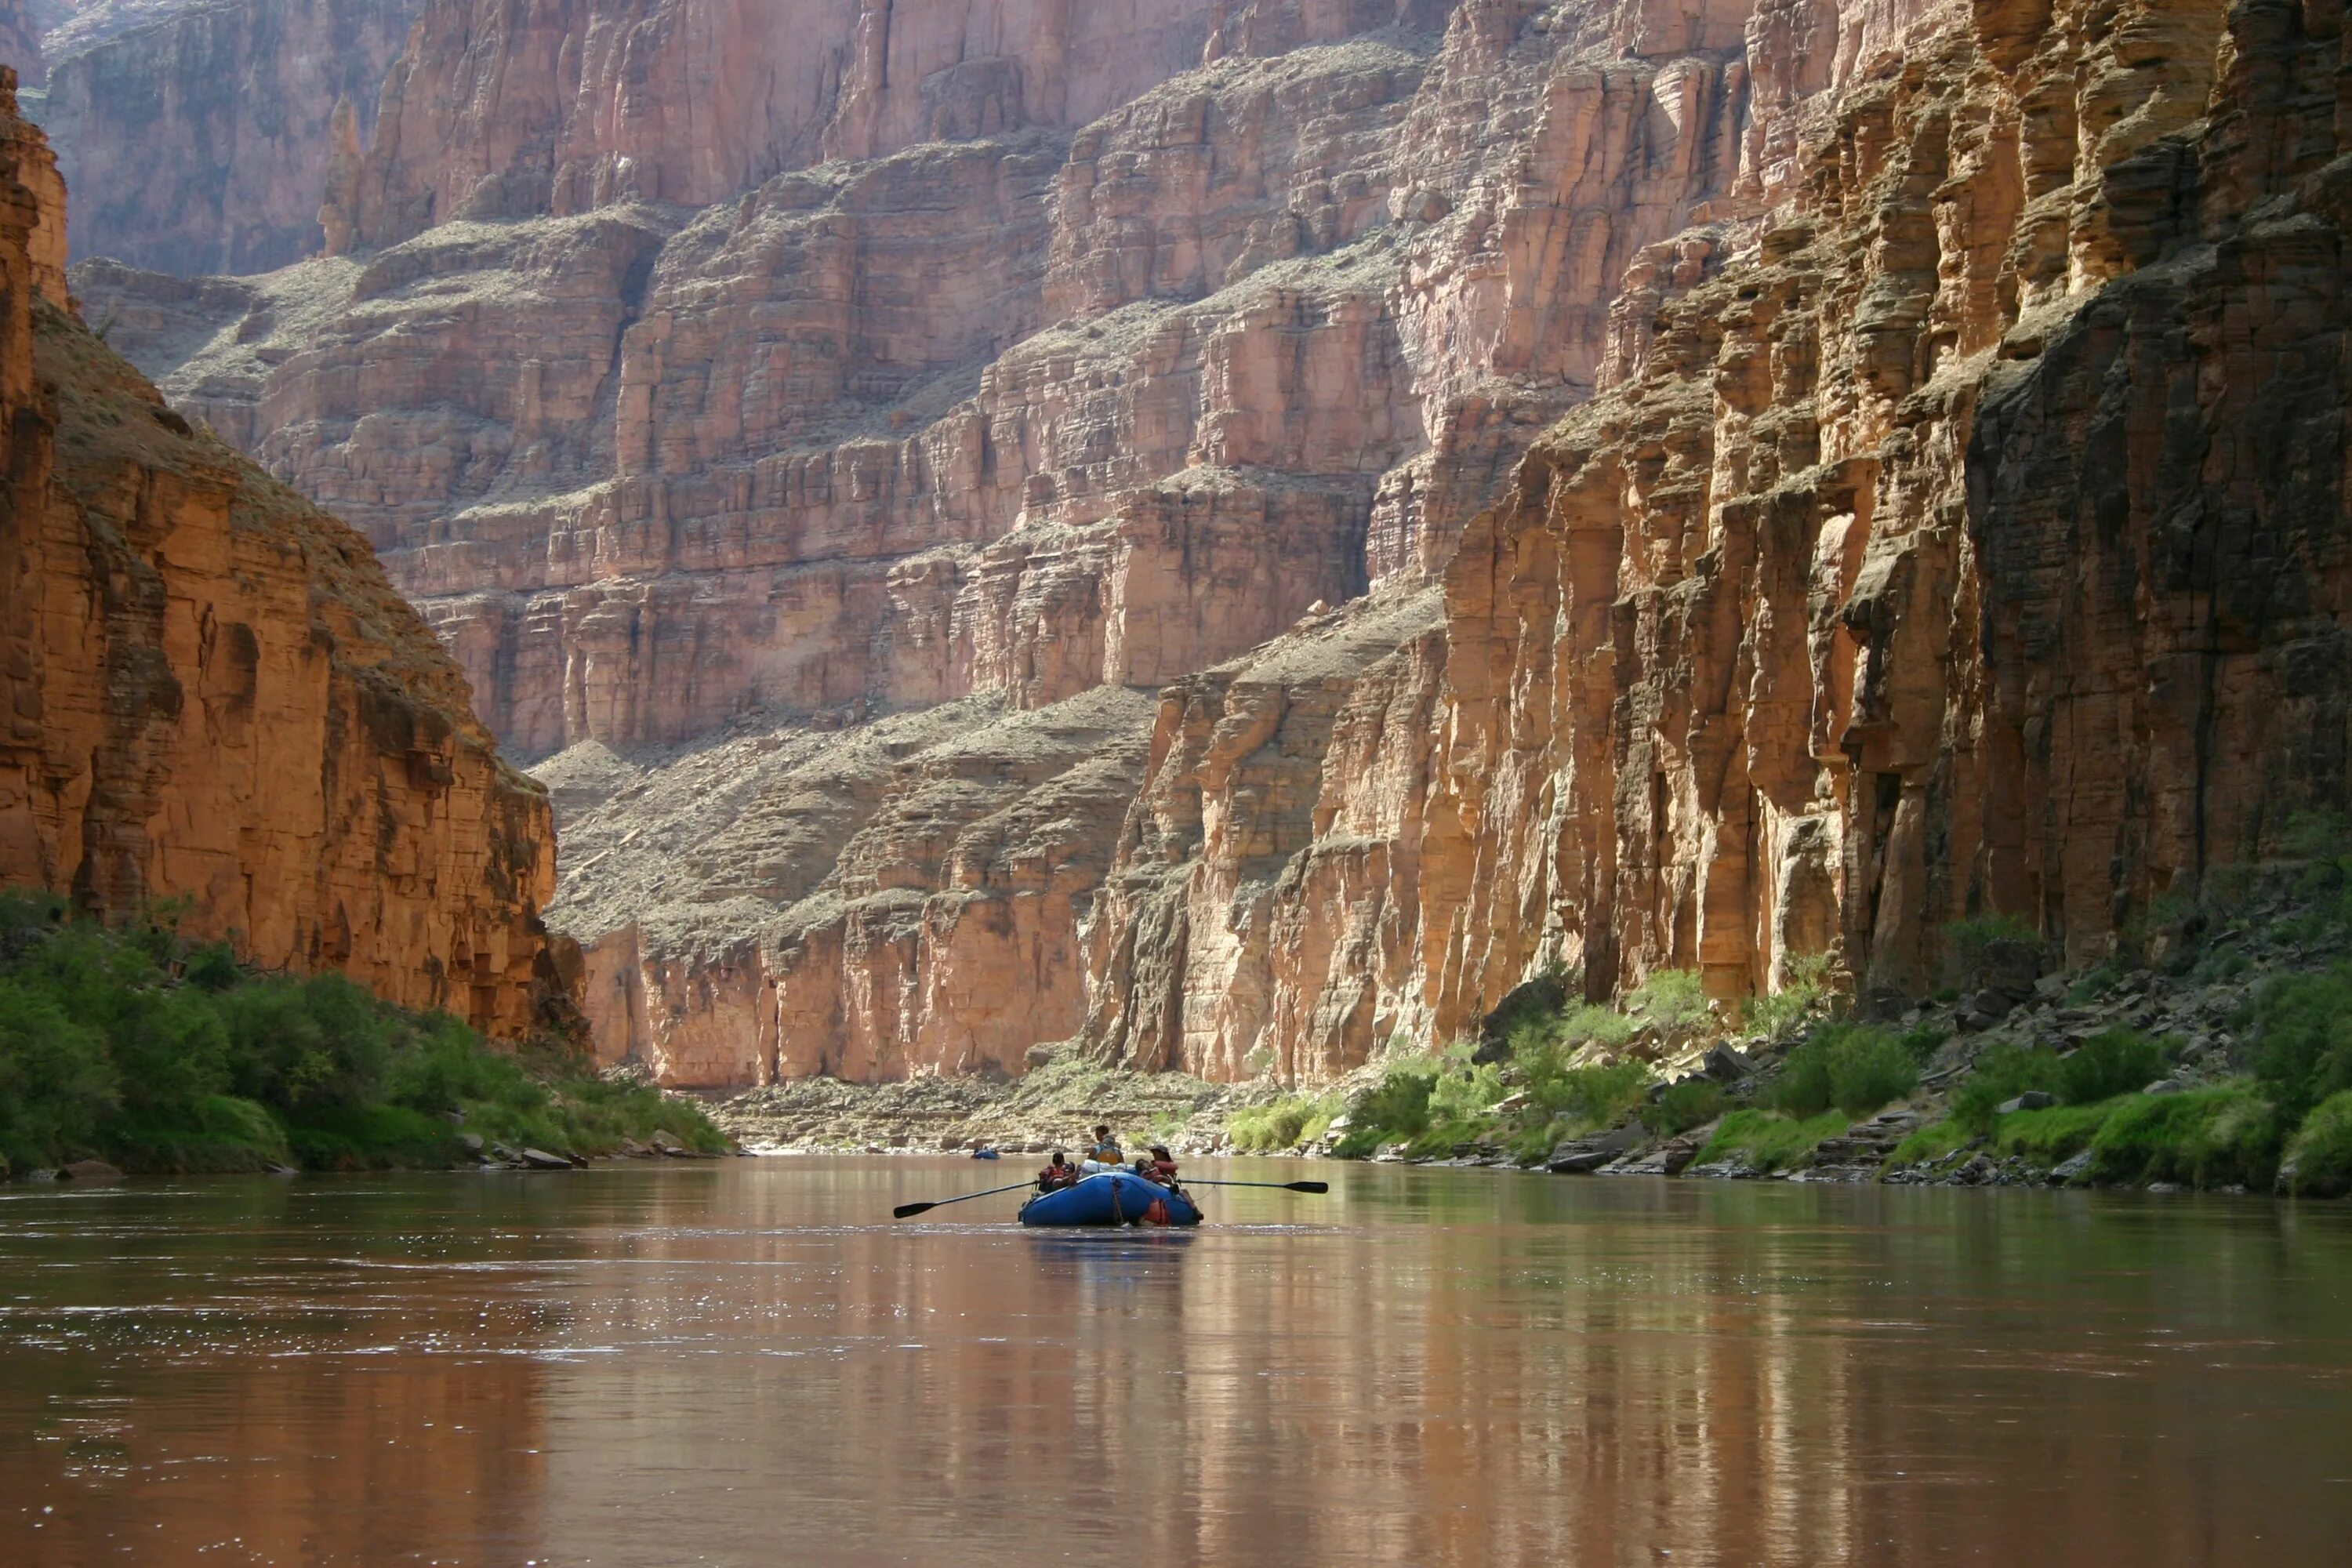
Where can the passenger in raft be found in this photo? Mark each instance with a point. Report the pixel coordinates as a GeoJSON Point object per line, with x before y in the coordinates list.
{"type": "Point", "coordinates": [1161, 1167]}
{"type": "Point", "coordinates": [1058, 1173]}
{"type": "Point", "coordinates": [1107, 1151]}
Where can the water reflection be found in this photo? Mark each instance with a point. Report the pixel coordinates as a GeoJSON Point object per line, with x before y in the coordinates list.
{"type": "Point", "coordinates": [747, 1363]}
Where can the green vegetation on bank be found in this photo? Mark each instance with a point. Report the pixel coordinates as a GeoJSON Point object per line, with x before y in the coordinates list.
{"type": "Point", "coordinates": [158, 1054]}
{"type": "Point", "coordinates": [1770, 1140]}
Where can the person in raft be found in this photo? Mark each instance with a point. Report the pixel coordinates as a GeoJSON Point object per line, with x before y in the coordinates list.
{"type": "Point", "coordinates": [1105, 1150]}
{"type": "Point", "coordinates": [1058, 1173]}
{"type": "Point", "coordinates": [1161, 1167]}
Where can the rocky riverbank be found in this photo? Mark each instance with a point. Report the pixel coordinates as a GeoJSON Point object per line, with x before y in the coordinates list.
{"type": "Point", "coordinates": [1053, 1106]}
{"type": "Point", "coordinates": [2211, 1050]}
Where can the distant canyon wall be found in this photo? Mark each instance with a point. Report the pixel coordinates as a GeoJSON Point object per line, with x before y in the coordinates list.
{"type": "Point", "coordinates": [214, 693]}
{"type": "Point", "coordinates": [1232, 532]}
{"type": "Point", "coordinates": [199, 138]}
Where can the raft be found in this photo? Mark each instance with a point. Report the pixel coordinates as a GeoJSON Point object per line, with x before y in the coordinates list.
{"type": "Point", "coordinates": [1112, 1198]}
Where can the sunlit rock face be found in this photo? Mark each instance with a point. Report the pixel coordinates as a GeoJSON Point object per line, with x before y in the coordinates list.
{"type": "Point", "coordinates": [1461, 487]}
{"type": "Point", "coordinates": [216, 696]}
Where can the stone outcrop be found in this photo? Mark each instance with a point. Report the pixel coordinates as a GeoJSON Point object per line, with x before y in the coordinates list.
{"type": "Point", "coordinates": [216, 696]}
{"type": "Point", "coordinates": [199, 138]}
{"type": "Point", "coordinates": [1465, 487]}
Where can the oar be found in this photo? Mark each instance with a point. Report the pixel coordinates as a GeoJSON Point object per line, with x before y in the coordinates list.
{"type": "Point", "coordinates": [909, 1211]}
{"type": "Point", "coordinates": [1277, 1187]}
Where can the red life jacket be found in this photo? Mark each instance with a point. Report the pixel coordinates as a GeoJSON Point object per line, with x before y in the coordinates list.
{"type": "Point", "coordinates": [1164, 1171]}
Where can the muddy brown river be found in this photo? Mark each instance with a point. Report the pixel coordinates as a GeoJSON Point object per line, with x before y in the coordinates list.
{"type": "Point", "coordinates": [749, 1362]}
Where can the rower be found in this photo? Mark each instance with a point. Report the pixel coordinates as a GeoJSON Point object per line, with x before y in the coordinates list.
{"type": "Point", "coordinates": [1058, 1173]}
{"type": "Point", "coordinates": [1161, 1168]}
{"type": "Point", "coordinates": [1107, 1151]}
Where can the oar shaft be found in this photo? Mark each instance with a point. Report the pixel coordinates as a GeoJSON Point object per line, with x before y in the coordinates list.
{"type": "Point", "coordinates": [1277, 1187]}
{"type": "Point", "coordinates": [908, 1211]}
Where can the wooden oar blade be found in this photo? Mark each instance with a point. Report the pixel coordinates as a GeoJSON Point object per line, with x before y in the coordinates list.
{"type": "Point", "coordinates": [909, 1211]}
{"type": "Point", "coordinates": [1308, 1186]}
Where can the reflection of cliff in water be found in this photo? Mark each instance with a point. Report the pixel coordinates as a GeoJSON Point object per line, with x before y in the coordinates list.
{"type": "Point", "coordinates": [749, 1362]}
{"type": "Point", "coordinates": [318, 1377]}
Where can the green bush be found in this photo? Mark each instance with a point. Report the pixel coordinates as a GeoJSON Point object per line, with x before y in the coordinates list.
{"type": "Point", "coordinates": [1854, 1066]}
{"type": "Point", "coordinates": [2114, 1062]}
{"type": "Point", "coordinates": [57, 1084]}
{"type": "Point", "coordinates": [1691, 1103]}
{"type": "Point", "coordinates": [2205, 1138]}
{"type": "Point", "coordinates": [1395, 1109]}
{"type": "Point", "coordinates": [2002, 1073]}
{"type": "Point", "coordinates": [2319, 1161]}
{"type": "Point", "coordinates": [2052, 1135]}
{"type": "Point", "coordinates": [1590, 1023]}
{"type": "Point", "coordinates": [1594, 1096]}
{"type": "Point", "coordinates": [2303, 1037]}
{"type": "Point", "coordinates": [161, 1055]}
{"type": "Point", "coordinates": [1670, 998]}
{"type": "Point", "coordinates": [1779, 1016]}
{"type": "Point", "coordinates": [1768, 1140]}
{"type": "Point", "coordinates": [1284, 1124]}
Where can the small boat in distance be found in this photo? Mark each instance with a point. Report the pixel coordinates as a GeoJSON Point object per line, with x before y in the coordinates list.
{"type": "Point", "coordinates": [1111, 1198]}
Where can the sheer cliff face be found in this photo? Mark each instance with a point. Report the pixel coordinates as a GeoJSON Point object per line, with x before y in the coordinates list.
{"type": "Point", "coordinates": [215, 694]}
{"type": "Point", "coordinates": [1103, 555]}
{"type": "Point", "coordinates": [1973, 541]}
{"type": "Point", "coordinates": [198, 137]}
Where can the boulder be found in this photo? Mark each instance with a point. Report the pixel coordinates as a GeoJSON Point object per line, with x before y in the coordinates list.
{"type": "Point", "coordinates": [1727, 1064]}
{"type": "Point", "coordinates": [2032, 1099]}
{"type": "Point", "coordinates": [1582, 1156]}
{"type": "Point", "coordinates": [91, 1172]}
{"type": "Point", "coordinates": [540, 1160]}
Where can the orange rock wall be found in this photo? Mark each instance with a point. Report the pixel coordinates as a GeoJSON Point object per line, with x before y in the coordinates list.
{"type": "Point", "coordinates": [1963, 535]}
{"type": "Point", "coordinates": [216, 695]}
{"type": "Point", "coordinates": [1623, 484]}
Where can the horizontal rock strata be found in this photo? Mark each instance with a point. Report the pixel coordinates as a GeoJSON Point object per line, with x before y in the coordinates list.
{"type": "Point", "coordinates": [216, 696]}
{"type": "Point", "coordinates": [1468, 487]}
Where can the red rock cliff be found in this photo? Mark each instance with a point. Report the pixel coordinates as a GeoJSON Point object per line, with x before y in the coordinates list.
{"type": "Point", "coordinates": [1111, 561]}
{"type": "Point", "coordinates": [214, 694]}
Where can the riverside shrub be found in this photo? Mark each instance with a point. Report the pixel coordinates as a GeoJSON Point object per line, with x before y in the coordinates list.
{"type": "Point", "coordinates": [2303, 1037]}
{"type": "Point", "coordinates": [1851, 1066]}
{"type": "Point", "coordinates": [2116, 1061]}
{"type": "Point", "coordinates": [160, 1054]}
{"type": "Point", "coordinates": [2319, 1159]}
{"type": "Point", "coordinates": [2205, 1138]}
{"type": "Point", "coordinates": [1691, 1103]}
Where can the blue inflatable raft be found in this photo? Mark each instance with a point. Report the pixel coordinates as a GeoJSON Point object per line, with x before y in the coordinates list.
{"type": "Point", "coordinates": [1111, 1198]}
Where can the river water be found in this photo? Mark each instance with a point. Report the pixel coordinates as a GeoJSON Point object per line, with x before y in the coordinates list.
{"type": "Point", "coordinates": [749, 1362]}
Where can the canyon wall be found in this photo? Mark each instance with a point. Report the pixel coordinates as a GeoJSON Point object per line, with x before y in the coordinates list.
{"type": "Point", "coordinates": [215, 695]}
{"type": "Point", "coordinates": [20, 42]}
{"type": "Point", "coordinates": [1235, 532]}
{"type": "Point", "coordinates": [199, 138]}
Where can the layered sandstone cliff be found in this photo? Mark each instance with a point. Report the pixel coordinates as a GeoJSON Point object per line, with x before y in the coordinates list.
{"type": "Point", "coordinates": [1228, 312]}
{"type": "Point", "coordinates": [1970, 543]}
{"type": "Point", "coordinates": [199, 135]}
{"type": "Point", "coordinates": [216, 696]}
{"type": "Point", "coordinates": [1943, 525]}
